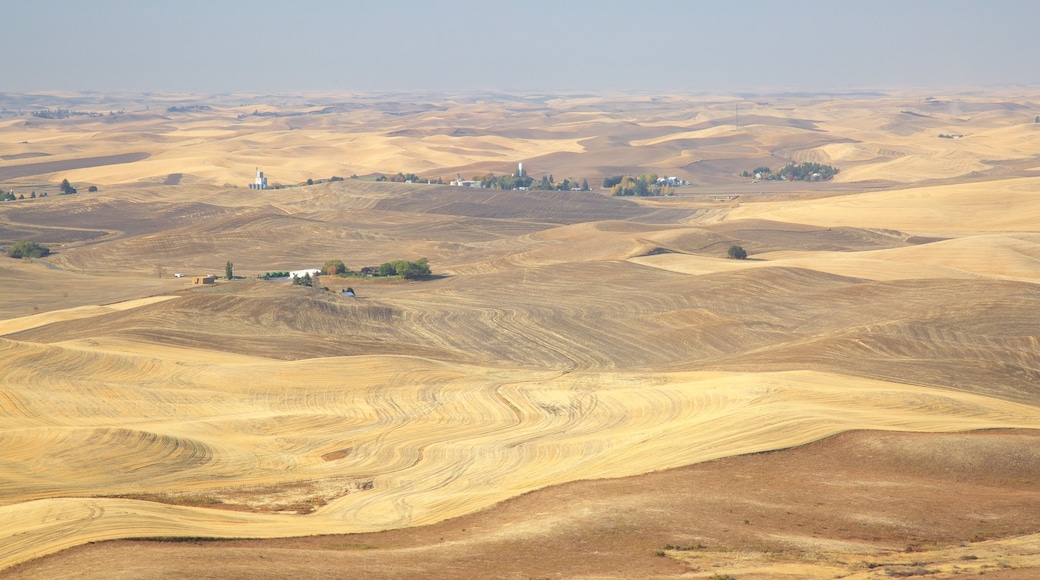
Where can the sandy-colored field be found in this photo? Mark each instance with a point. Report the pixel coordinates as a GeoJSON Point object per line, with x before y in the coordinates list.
{"type": "Point", "coordinates": [567, 336]}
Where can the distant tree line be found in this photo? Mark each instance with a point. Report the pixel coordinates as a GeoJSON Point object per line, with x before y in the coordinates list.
{"type": "Point", "coordinates": [187, 108]}
{"type": "Point", "coordinates": [408, 178]}
{"type": "Point", "coordinates": [10, 196]}
{"type": "Point", "coordinates": [807, 171]}
{"type": "Point", "coordinates": [64, 114]}
{"type": "Point", "coordinates": [524, 181]}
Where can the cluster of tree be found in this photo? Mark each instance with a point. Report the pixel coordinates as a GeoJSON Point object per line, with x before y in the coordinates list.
{"type": "Point", "coordinates": [10, 196]}
{"type": "Point", "coordinates": [524, 181]}
{"type": "Point", "coordinates": [405, 269]}
{"type": "Point", "coordinates": [27, 249]}
{"type": "Point", "coordinates": [305, 280]}
{"type": "Point", "coordinates": [407, 178]}
{"type": "Point", "coordinates": [642, 186]}
{"type": "Point", "coordinates": [736, 253]}
{"type": "Point", "coordinates": [807, 171]}
{"type": "Point", "coordinates": [312, 181]}
{"type": "Point", "coordinates": [66, 187]}
{"type": "Point", "coordinates": [267, 275]}
{"type": "Point", "coordinates": [334, 267]}
{"type": "Point", "coordinates": [187, 108]}
{"type": "Point", "coordinates": [505, 182]}
{"type": "Point", "coordinates": [64, 114]}
{"type": "Point", "coordinates": [52, 114]}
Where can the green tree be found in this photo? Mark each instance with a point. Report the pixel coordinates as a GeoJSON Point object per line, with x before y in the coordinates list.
{"type": "Point", "coordinates": [66, 187]}
{"type": "Point", "coordinates": [229, 270]}
{"type": "Point", "coordinates": [736, 253]}
{"type": "Point", "coordinates": [27, 249]}
{"type": "Point", "coordinates": [333, 267]}
{"type": "Point", "coordinates": [420, 269]}
{"type": "Point", "coordinates": [387, 269]}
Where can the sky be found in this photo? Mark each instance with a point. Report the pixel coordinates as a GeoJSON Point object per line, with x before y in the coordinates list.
{"type": "Point", "coordinates": [216, 46]}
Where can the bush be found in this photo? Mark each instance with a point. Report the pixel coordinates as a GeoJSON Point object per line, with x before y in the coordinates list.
{"type": "Point", "coordinates": [736, 253]}
{"type": "Point", "coordinates": [27, 249]}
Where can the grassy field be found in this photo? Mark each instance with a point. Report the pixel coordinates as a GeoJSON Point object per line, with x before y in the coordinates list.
{"type": "Point", "coordinates": [588, 385]}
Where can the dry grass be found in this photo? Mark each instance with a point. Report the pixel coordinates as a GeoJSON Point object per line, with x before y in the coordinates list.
{"type": "Point", "coordinates": [568, 336]}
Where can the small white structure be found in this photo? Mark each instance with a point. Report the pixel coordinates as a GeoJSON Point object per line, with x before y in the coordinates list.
{"type": "Point", "coordinates": [260, 182]}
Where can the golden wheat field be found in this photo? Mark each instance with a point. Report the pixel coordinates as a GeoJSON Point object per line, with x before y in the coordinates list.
{"type": "Point", "coordinates": [586, 383]}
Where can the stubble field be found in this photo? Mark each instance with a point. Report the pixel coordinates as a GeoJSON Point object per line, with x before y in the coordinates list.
{"type": "Point", "coordinates": [881, 341]}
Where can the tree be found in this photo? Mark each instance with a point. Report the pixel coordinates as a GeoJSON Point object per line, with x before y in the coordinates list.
{"type": "Point", "coordinates": [92, 189]}
{"type": "Point", "coordinates": [585, 185]}
{"type": "Point", "coordinates": [333, 267]}
{"type": "Point", "coordinates": [229, 270]}
{"type": "Point", "coordinates": [66, 187]}
{"type": "Point", "coordinates": [420, 269]}
{"type": "Point", "coordinates": [736, 253]}
{"type": "Point", "coordinates": [27, 249]}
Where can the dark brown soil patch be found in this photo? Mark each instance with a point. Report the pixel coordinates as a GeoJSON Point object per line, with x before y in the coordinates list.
{"type": "Point", "coordinates": [28, 155]}
{"type": "Point", "coordinates": [16, 171]}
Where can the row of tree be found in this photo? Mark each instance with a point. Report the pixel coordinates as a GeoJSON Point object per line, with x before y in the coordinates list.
{"type": "Point", "coordinates": [524, 181]}
{"type": "Point", "coordinates": [408, 178]}
{"type": "Point", "coordinates": [9, 195]}
{"type": "Point", "coordinates": [403, 268]}
{"type": "Point", "coordinates": [806, 171]}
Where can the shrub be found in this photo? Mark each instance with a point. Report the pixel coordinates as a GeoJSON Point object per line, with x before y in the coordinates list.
{"type": "Point", "coordinates": [736, 253]}
{"type": "Point", "coordinates": [27, 249]}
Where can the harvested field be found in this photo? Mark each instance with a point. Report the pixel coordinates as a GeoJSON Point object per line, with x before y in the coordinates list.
{"type": "Point", "coordinates": [585, 382]}
{"type": "Point", "coordinates": [860, 505]}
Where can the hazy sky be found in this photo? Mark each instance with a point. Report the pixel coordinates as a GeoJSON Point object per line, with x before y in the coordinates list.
{"type": "Point", "coordinates": [561, 45]}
